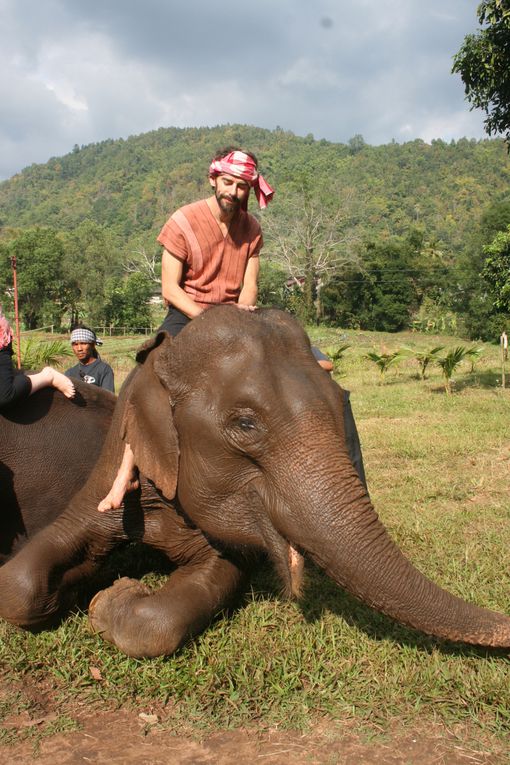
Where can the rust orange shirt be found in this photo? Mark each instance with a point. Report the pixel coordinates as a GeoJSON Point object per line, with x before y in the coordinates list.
{"type": "Point", "coordinates": [214, 264]}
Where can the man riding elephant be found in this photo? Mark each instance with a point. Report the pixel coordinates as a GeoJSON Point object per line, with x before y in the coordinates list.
{"type": "Point", "coordinates": [211, 256]}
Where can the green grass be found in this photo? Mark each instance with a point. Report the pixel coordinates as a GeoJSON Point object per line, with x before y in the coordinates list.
{"type": "Point", "coordinates": [438, 473]}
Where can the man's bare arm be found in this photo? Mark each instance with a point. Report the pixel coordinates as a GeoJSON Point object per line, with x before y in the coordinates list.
{"type": "Point", "coordinates": [171, 275]}
{"type": "Point", "coordinates": [250, 288]}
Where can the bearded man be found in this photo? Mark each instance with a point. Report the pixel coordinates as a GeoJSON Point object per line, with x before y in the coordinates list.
{"type": "Point", "coordinates": [211, 247]}
{"type": "Point", "coordinates": [210, 256]}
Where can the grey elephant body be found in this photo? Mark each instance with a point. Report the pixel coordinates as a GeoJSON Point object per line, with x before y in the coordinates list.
{"type": "Point", "coordinates": [239, 437]}
{"type": "Point", "coordinates": [47, 452]}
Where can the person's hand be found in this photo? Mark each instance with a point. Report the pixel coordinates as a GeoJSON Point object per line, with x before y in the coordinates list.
{"type": "Point", "coordinates": [325, 364]}
{"type": "Point", "coordinates": [246, 307]}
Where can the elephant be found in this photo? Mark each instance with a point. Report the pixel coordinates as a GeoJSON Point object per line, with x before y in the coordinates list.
{"type": "Point", "coordinates": [35, 456]}
{"type": "Point", "coordinates": [238, 435]}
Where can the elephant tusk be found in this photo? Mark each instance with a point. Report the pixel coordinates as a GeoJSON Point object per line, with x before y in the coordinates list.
{"type": "Point", "coordinates": [296, 566]}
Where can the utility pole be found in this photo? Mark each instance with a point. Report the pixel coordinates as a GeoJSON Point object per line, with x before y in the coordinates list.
{"type": "Point", "coordinates": [16, 310]}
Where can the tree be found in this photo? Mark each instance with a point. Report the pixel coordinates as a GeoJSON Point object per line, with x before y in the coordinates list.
{"type": "Point", "coordinates": [273, 292]}
{"type": "Point", "coordinates": [140, 261]}
{"type": "Point", "coordinates": [483, 63]}
{"type": "Point", "coordinates": [127, 303]}
{"type": "Point", "coordinates": [496, 271]}
{"type": "Point", "coordinates": [383, 293]}
{"type": "Point", "coordinates": [474, 301]}
{"type": "Point", "coordinates": [356, 144]}
{"type": "Point", "coordinates": [313, 238]}
{"type": "Point", "coordinates": [92, 260]}
{"type": "Point", "coordinates": [43, 291]}
{"type": "Point", "coordinates": [473, 354]}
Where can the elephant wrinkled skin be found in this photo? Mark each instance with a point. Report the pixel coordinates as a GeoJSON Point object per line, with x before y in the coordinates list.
{"type": "Point", "coordinates": [47, 450]}
{"type": "Point", "coordinates": [238, 435]}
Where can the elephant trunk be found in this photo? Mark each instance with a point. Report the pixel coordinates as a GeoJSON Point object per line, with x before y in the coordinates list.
{"type": "Point", "coordinates": [342, 533]}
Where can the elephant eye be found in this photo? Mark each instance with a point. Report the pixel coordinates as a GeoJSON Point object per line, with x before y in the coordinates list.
{"type": "Point", "coordinates": [246, 423]}
{"type": "Point", "coordinates": [245, 431]}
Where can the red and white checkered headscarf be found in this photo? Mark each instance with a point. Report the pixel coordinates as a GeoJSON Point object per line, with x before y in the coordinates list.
{"type": "Point", "coordinates": [5, 331]}
{"type": "Point", "coordinates": [241, 165]}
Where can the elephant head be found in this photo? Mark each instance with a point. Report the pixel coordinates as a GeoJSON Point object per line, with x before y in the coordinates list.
{"type": "Point", "coordinates": [237, 420]}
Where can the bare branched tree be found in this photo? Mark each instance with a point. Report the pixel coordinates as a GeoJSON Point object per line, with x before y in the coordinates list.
{"type": "Point", "coordinates": [141, 262]}
{"type": "Point", "coordinates": [313, 242]}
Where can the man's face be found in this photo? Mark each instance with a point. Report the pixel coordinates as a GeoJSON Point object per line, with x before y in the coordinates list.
{"type": "Point", "coordinates": [230, 192]}
{"type": "Point", "coordinates": [83, 351]}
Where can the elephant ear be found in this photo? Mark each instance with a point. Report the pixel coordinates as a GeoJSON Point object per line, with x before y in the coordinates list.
{"type": "Point", "coordinates": [150, 345]}
{"type": "Point", "coordinates": [147, 424]}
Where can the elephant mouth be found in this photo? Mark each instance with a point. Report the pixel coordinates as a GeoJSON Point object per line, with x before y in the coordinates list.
{"type": "Point", "coordinates": [296, 567]}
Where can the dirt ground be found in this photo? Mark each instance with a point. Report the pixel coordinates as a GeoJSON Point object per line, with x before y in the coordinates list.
{"type": "Point", "coordinates": [125, 737]}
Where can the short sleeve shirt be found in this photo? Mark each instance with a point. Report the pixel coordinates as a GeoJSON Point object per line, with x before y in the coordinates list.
{"type": "Point", "coordinates": [214, 264]}
{"type": "Point", "coordinates": [98, 373]}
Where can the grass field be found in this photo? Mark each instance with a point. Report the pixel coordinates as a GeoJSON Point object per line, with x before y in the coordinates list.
{"type": "Point", "coordinates": [438, 473]}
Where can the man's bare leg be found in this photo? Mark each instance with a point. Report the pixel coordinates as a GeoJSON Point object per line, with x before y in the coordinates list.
{"type": "Point", "coordinates": [125, 480]}
{"type": "Point", "coordinates": [49, 377]}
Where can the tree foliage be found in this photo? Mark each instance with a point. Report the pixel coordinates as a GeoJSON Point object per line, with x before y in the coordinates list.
{"type": "Point", "coordinates": [496, 272]}
{"type": "Point", "coordinates": [370, 236]}
{"type": "Point", "coordinates": [312, 238]}
{"type": "Point", "coordinates": [92, 258]}
{"type": "Point", "coordinates": [43, 292]}
{"type": "Point", "coordinates": [483, 62]}
{"type": "Point", "coordinates": [127, 302]}
{"type": "Point", "coordinates": [381, 293]}
{"type": "Point", "coordinates": [273, 291]}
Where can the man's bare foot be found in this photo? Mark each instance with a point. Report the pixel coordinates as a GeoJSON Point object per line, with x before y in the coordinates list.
{"type": "Point", "coordinates": [122, 484]}
{"type": "Point", "coordinates": [60, 382]}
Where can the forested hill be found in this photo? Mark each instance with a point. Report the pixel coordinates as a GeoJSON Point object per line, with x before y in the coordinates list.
{"type": "Point", "coordinates": [380, 237]}
{"type": "Point", "coordinates": [130, 186]}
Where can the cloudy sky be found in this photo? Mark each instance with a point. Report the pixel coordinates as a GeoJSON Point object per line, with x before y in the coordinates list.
{"type": "Point", "coordinates": [80, 71]}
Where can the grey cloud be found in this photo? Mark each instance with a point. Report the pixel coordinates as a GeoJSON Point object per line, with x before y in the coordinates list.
{"type": "Point", "coordinates": [77, 72]}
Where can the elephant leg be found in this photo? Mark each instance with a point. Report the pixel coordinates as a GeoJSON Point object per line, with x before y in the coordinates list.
{"type": "Point", "coordinates": [145, 623]}
{"type": "Point", "coordinates": [36, 584]}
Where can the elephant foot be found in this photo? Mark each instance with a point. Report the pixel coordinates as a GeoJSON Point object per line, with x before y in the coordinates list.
{"type": "Point", "coordinates": [107, 604]}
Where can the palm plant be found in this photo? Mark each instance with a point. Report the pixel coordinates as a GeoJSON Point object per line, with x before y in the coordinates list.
{"type": "Point", "coordinates": [384, 360]}
{"type": "Point", "coordinates": [449, 364]}
{"type": "Point", "coordinates": [424, 358]}
{"type": "Point", "coordinates": [337, 355]}
{"type": "Point", "coordinates": [36, 354]}
{"type": "Point", "coordinates": [474, 354]}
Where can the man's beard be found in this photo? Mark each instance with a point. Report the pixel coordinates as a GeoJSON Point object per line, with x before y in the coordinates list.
{"type": "Point", "coordinates": [228, 204]}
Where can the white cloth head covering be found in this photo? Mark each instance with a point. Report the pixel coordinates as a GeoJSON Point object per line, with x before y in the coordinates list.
{"type": "Point", "coordinates": [84, 335]}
